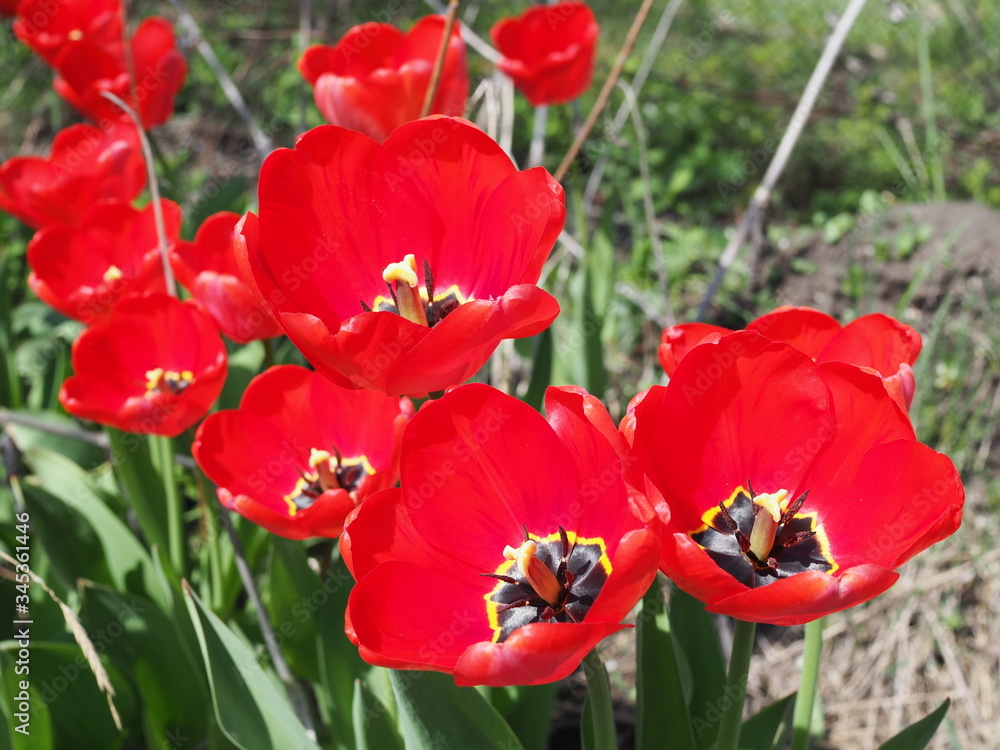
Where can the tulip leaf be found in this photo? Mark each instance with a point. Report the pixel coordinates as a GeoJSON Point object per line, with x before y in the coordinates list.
{"type": "Point", "coordinates": [54, 432]}
{"type": "Point", "coordinates": [434, 712]}
{"type": "Point", "coordinates": [918, 736]}
{"type": "Point", "coordinates": [528, 711]}
{"type": "Point", "coordinates": [697, 644]}
{"type": "Point", "coordinates": [768, 727]}
{"type": "Point", "coordinates": [35, 731]}
{"type": "Point", "coordinates": [166, 669]}
{"type": "Point", "coordinates": [591, 323]}
{"type": "Point", "coordinates": [62, 679]}
{"type": "Point", "coordinates": [64, 483]}
{"type": "Point", "coordinates": [541, 369]}
{"type": "Point", "coordinates": [291, 583]}
{"type": "Point", "coordinates": [373, 725]}
{"type": "Point", "coordinates": [249, 705]}
{"type": "Point", "coordinates": [133, 465]}
{"type": "Point", "coordinates": [662, 714]}
{"type": "Point", "coordinates": [244, 365]}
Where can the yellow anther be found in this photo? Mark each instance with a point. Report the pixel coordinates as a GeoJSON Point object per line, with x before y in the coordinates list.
{"type": "Point", "coordinates": [153, 378]}
{"type": "Point", "coordinates": [75, 35]}
{"type": "Point", "coordinates": [113, 273]}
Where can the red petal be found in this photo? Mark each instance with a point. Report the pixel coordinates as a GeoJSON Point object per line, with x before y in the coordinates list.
{"type": "Point", "coordinates": [806, 329]}
{"type": "Point", "coordinates": [416, 617]}
{"type": "Point", "coordinates": [534, 654]}
{"type": "Point", "coordinates": [875, 341]}
{"type": "Point", "coordinates": [806, 596]}
{"type": "Point", "coordinates": [679, 340]}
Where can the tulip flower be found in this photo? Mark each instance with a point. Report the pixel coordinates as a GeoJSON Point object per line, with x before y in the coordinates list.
{"type": "Point", "coordinates": [300, 453]}
{"type": "Point", "coordinates": [877, 342]}
{"type": "Point", "coordinates": [376, 77]}
{"type": "Point", "coordinates": [787, 489]}
{"type": "Point", "coordinates": [155, 366]}
{"type": "Point", "coordinates": [511, 548]}
{"type": "Point", "coordinates": [548, 51]}
{"type": "Point", "coordinates": [83, 271]}
{"type": "Point", "coordinates": [49, 26]}
{"type": "Point", "coordinates": [401, 266]}
{"type": "Point", "coordinates": [87, 165]}
{"type": "Point", "coordinates": [8, 8]}
{"type": "Point", "coordinates": [207, 268]}
{"type": "Point", "coordinates": [149, 84]}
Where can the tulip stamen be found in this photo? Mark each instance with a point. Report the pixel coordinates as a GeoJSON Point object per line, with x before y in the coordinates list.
{"type": "Point", "coordinates": [545, 579]}
{"type": "Point", "coordinates": [160, 381]}
{"type": "Point", "coordinates": [327, 472]}
{"type": "Point", "coordinates": [405, 297]}
{"type": "Point", "coordinates": [759, 537]}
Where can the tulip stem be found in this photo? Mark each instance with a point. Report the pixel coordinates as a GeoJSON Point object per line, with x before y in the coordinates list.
{"type": "Point", "coordinates": [736, 686]}
{"type": "Point", "coordinates": [599, 700]}
{"type": "Point", "coordinates": [435, 82]}
{"type": "Point", "coordinates": [802, 718]}
{"type": "Point", "coordinates": [164, 450]}
{"type": "Point", "coordinates": [609, 85]}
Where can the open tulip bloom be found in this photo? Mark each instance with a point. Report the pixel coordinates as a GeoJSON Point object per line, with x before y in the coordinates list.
{"type": "Point", "coordinates": [376, 77]}
{"type": "Point", "coordinates": [401, 266]}
{"type": "Point", "coordinates": [789, 489]}
{"type": "Point", "coordinates": [511, 547]}
{"type": "Point", "coordinates": [877, 342]}
{"type": "Point", "coordinates": [300, 453]}
{"type": "Point", "coordinates": [155, 366]}
{"type": "Point", "coordinates": [83, 271]}
{"type": "Point", "coordinates": [548, 51]}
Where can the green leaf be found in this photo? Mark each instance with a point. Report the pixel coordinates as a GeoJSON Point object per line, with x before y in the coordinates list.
{"type": "Point", "coordinates": [662, 714]}
{"type": "Point", "coordinates": [768, 727]}
{"type": "Point", "coordinates": [290, 584]}
{"type": "Point", "coordinates": [541, 369]}
{"type": "Point", "coordinates": [434, 713]}
{"type": "Point", "coordinates": [137, 635]}
{"type": "Point", "coordinates": [35, 731]}
{"type": "Point", "coordinates": [133, 465]}
{"type": "Point", "coordinates": [244, 365]}
{"type": "Point", "coordinates": [373, 725]}
{"type": "Point", "coordinates": [78, 710]}
{"type": "Point", "coordinates": [64, 483]}
{"type": "Point", "coordinates": [697, 643]}
{"type": "Point", "coordinates": [27, 437]}
{"type": "Point", "coordinates": [250, 707]}
{"type": "Point", "coordinates": [528, 711]}
{"type": "Point", "coordinates": [918, 736]}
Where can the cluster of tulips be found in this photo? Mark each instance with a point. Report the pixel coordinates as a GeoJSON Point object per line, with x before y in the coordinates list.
{"type": "Point", "coordinates": [776, 477]}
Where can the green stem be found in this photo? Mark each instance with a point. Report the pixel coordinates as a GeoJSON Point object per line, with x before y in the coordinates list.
{"type": "Point", "coordinates": [130, 457]}
{"type": "Point", "coordinates": [736, 686]}
{"type": "Point", "coordinates": [802, 719]}
{"type": "Point", "coordinates": [268, 353]}
{"type": "Point", "coordinates": [599, 698]}
{"type": "Point", "coordinates": [164, 449]}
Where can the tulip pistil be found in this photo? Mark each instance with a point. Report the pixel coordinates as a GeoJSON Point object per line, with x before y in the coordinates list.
{"type": "Point", "coordinates": [406, 298]}
{"type": "Point", "coordinates": [546, 579]}
{"type": "Point", "coordinates": [759, 538]}
{"type": "Point", "coordinates": [160, 381]}
{"type": "Point", "coordinates": [327, 472]}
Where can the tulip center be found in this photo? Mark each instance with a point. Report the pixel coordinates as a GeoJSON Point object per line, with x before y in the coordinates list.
{"type": "Point", "coordinates": [114, 273]}
{"type": "Point", "coordinates": [406, 298]}
{"type": "Point", "coordinates": [546, 579]}
{"type": "Point", "coordinates": [160, 381]}
{"type": "Point", "coordinates": [326, 472]}
{"type": "Point", "coordinates": [759, 538]}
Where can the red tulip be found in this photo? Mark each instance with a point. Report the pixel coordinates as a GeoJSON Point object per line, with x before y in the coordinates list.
{"type": "Point", "coordinates": [400, 267]}
{"type": "Point", "coordinates": [207, 268]}
{"type": "Point", "coordinates": [83, 271]}
{"type": "Point", "coordinates": [376, 77]}
{"type": "Point", "coordinates": [155, 366]}
{"type": "Point", "coordinates": [511, 548]}
{"type": "Point", "coordinates": [789, 490]}
{"type": "Point", "coordinates": [300, 453]}
{"type": "Point", "coordinates": [88, 164]}
{"type": "Point", "coordinates": [157, 72]}
{"type": "Point", "coordinates": [49, 26]}
{"type": "Point", "coordinates": [877, 342]}
{"type": "Point", "coordinates": [548, 51]}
